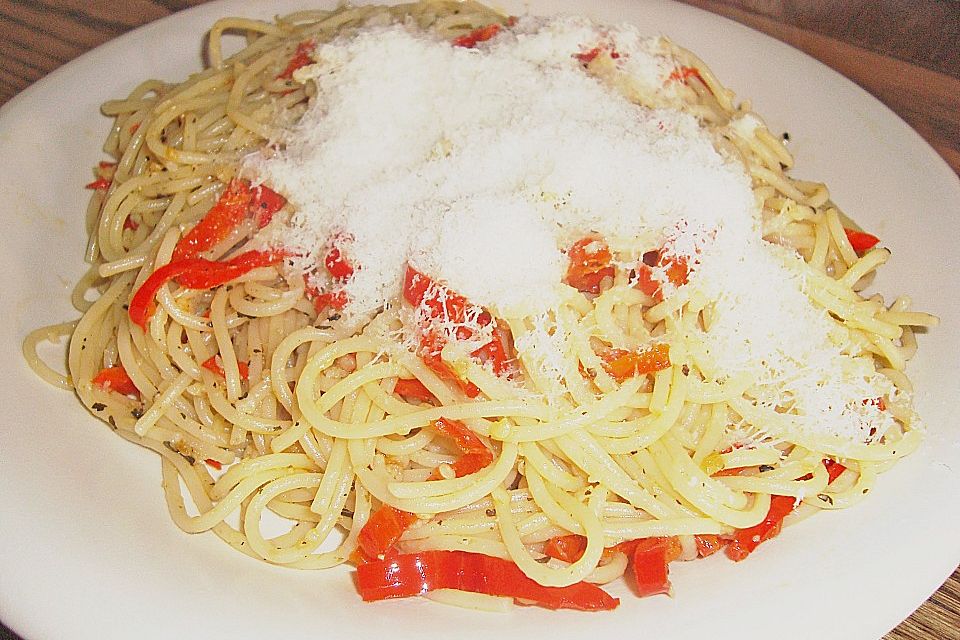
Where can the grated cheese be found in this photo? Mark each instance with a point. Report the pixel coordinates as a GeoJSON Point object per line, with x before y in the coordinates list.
{"type": "Point", "coordinates": [479, 167]}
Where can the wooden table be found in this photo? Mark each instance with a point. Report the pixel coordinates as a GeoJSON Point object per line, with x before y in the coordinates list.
{"type": "Point", "coordinates": [905, 52]}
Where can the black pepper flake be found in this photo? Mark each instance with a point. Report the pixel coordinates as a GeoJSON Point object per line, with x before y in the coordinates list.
{"type": "Point", "coordinates": [137, 413]}
{"type": "Point", "coordinates": [334, 317]}
{"type": "Point", "coordinates": [491, 512]}
{"type": "Point", "coordinates": [98, 406]}
{"type": "Point", "coordinates": [786, 136]}
{"type": "Point", "coordinates": [685, 369]}
{"type": "Point", "coordinates": [765, 467]}
{"type": "Point", "coordinates": [112, 422]}
{"type": "Point", "coordinates": [347, 513]}
{"type": "Point", "coordinates": [189, 459]}
{"type": "Point", "coordinates": [825, 498]}
{"type": "Point", "coordinates": [543, 560]}
{"type": "Point", "coordinates": [169, 445]}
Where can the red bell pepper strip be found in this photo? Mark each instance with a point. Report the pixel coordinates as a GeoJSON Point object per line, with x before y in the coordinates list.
{"type": "Point", "coordinates": [861, 241]}
{"type": "Point", "coordinates": [116, 379]}
{"type": "Point", "coordinates": [746, 540]}
{"type": "Point", "coordinates": [650, 559]}
{"type": "Point", "coordinates": [480, 34]}
{"type": "Point", "coordinates": [415, 574]}
{"type": "Point", "coordinates": [621, 364]}
{"type": "Point", "coordinates": [589, 265]}
{"type": "Point", "coordinates": [213, 363]}
{"type": "Point", "coordinates": [300, 58]}
{"type": "Point", "coordinates": [413, 389]}
{"type": "Point", "coordinates": [195, 273]}
{"type": "Point", "coordinates": [237, 202]}
{"type": "Point", "coordinates": [385, 527]}
{"type": "Point", "coordinates": [337, 265]}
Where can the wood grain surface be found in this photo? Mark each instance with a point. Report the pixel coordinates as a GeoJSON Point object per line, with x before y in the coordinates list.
{"type": "Point", "coordinates": [906, 53]}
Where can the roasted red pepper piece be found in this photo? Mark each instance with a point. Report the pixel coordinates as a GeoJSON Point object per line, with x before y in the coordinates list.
{"type": "Point", "coordinates": [684, 73]}
{"type": "Point", "coordinates": [622, 364]}
{"type": "Point", "coordinates": [214, 364]}
{"type": "Point", "coordinates": [383, 530]}
{"type": "Point", "coordinates": [650, 559]}
{"type": "Point", "coordinates": [746, 540]}
{"type": "Point", "coordinates": [413, 389]}
{"type": "Point", "coordinates": [589, 265]}
{"type": "Point", "coordinates": [415, 574]}
{"type": "Point", "coordinates": [676, 269]}
{"type": "Point", "coordinates": [195, 273]}
{"type": "Point", "coordinates": [834, 469]}
{"type": "Point", "coordinates": [236, 203]}
{"type": "Point", "coordinates": [337, 265]}
{"type": "Point", "coordinates": [568, 548]}
{"type": "Point", "coordinates": [861, 241]}
{"type": "Point", "coordinates": [480, 34]}
{"type": "Point", "coordinates": [264, 203]}
{"type": "Point", "coordinates": [300, 58]}
{"type": "Point", "coordinates": [116, 379]}
{"type": "Point", "coordinates": [707, 544]}
{"type": "Point", "coordinates": [421, 291]}
{"type": "Point", "coordinates": [100, 184]}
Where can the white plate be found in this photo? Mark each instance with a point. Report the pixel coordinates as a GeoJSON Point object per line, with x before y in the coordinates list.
{"type": "Point", "coordinates": [88, 550]}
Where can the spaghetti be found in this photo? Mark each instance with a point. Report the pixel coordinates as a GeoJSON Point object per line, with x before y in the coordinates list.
{"type": "Point", "coordinates": [648, 408]}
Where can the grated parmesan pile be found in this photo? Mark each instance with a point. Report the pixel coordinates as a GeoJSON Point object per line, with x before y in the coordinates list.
{"type": "Point", "coordinates": [478, 167]}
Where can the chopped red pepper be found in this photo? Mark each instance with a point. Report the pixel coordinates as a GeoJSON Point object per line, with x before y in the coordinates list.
{"type": "Point", "coordinates": [589, 265]}
{"type": "Point", "coordinates": [746, 540]}
{"type": "Point", "coordinates": [385, 527]}
{"type": "Point", "coordinates": [413, 389]}
{"type": "Point", "coordinates": [465, 440]}
{"type": "Point", "coordinates": [707, 544]}
{"type": "Point", "coordinates": [383, 530]}
{"type": "Point", "coordinates": [214, 463]}
{"type": "Point", "coordinates": [651, 557]}
{"type": "Point", "coordinates": [834, 469]}
{"type": "Point", "coordinates": [213, 363]}
{"type": "Point", "coordinates": [337, 265]}
{"type": "Point", "coordinates": [418, 573]}
{"type": "Point", "coordinates": [622, 364]}
{"type": "Point", "coordinates": [586, 57]}
{"type": "Point", "coordinates": [264, 204]}
{"type": "Point", "coordinates": [861, 241]}
{"type": "Point", "coordinates": [675, 268]}
{"type": "Point", "coordinates": [568, 548]}
{"type": "Point", "coordinates": [495, 352]}
{"type": "Point", "coordinates": [131, 224]}
{"type": "Point", "coordinates": [439, 302]}
{"type": "Point", "coordinates": [684, 73]}
{"type": "Point", "coordinates": [195, 273]}
{"type": "Point", "coordinates": [100, 184]}
{"type": "Point", "coordinates": [116, 379]}
{"type": "Point", "coordinates": [236, 202]}
{"type": "Point", "coordinates": [300, 58]}
{"type": "Point", "coordinates": [480, 34]}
